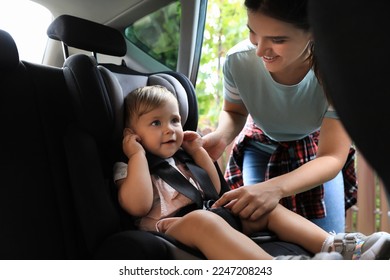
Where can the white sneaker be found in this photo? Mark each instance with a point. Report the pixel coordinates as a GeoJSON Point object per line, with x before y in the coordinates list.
{"type": "Point", "coordinates": [357, 246]}
{"type": "Point", "coordinates": [319, 256]}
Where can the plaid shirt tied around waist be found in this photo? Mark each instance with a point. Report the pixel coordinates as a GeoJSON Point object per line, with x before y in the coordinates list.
{"type": "Point", "coordinates": [287, 157]}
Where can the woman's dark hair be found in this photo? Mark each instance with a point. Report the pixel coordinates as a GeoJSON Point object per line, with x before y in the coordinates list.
{"type": "Point", "coordinates": [290, 11]}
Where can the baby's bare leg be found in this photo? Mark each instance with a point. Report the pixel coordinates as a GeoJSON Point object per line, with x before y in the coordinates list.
{"type": "Point", "coordinates": [214, 237]}
{"type": "Point", "coordinates": [289, 227]}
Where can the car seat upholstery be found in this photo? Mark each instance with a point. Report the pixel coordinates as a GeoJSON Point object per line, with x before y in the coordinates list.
{"type": "Point", "coordinates": [36, 209]}
{"type": "Point", "coordinates": [113, 43]}
{"type": "Point", "coordinates": [98, 92]}
{"type": "Point", "coordinates": [356, 83]}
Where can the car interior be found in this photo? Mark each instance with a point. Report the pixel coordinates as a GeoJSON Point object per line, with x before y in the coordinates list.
{"type": "Point", "coordinates": [62, 132]}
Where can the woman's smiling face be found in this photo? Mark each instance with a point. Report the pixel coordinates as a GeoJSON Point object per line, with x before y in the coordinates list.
{"type": "Point", "coordinates": [281, 45]}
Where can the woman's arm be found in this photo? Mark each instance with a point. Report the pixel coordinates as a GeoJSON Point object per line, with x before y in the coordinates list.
{"type": "Point", "coordinates": [135, 191]}
{"type": "Point", "coordinates": [255, 200]}
{"type": "Point", "coordinates": [333, 148]}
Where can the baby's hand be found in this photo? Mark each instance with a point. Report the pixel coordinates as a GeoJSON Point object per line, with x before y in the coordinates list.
{"type": "Point", "coordinates": [192, 142]}
{"type": "Point", "coordinates": [131, 143]}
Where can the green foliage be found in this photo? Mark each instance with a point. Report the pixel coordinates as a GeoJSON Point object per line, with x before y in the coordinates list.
{"type": "Point", "coordinates": [158, 34]}
{"type": "Point", "coordinates": [225, 27]}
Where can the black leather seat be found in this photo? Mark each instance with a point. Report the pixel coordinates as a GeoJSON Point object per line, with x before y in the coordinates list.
{"type": "Point", "coordinates": [36, 209]}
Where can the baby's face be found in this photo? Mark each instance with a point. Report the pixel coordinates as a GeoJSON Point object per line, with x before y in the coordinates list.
{"type": "Point", "coordinates": [160, 130]}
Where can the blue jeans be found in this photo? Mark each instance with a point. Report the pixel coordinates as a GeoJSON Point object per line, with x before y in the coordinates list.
{"type": "Point", "coordinates": [254, 167]}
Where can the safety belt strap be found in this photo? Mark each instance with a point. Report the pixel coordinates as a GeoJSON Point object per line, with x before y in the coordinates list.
{"type": "Point", "coordinates": [175, 179]}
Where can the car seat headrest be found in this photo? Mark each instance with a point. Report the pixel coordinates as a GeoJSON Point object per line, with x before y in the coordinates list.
{"type": "Point", "coordinates": [120, 85]}
{"type": "Point", "coordinates": [9, 56]}
{"type": "Point", "coordinates": [87, 35]}
{"type": "Point", "coordinates": [173, 85]}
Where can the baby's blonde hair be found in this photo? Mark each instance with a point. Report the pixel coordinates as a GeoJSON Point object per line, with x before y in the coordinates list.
{"type": "Point", "coordinates": [145, 99]}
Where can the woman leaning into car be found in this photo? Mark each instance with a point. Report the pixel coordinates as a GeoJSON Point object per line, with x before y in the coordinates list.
{"type": "Point", "coordinates": [272, 79]}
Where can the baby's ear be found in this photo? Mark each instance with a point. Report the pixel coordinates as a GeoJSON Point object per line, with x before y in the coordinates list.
{"type": "Point", "coordinates": [127, 131]}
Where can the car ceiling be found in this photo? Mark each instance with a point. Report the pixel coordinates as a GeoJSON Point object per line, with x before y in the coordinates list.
{"type": "Point", "coordinates": [109, 12]}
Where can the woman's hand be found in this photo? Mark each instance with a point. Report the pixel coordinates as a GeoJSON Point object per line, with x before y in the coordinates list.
{"type": "Point", "coordinates": [131, 143]}
{"type": "Point", "coordinates": [250, 202]}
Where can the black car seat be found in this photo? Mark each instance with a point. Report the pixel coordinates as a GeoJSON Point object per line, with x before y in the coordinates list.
{"type": "Point", "coordinates": [93, 145]}
{"type": "Point", "coordinates": [36, 209]}
{"type": "Point", "coordinates": [357, 83]}
{"type": "Point", "coordinates": [98, 92]}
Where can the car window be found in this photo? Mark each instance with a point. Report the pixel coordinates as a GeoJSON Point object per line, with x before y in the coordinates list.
{"type": "Point", "coordinates": [158, 34]}
{"type": "Point", "coordinates": [27, 22]}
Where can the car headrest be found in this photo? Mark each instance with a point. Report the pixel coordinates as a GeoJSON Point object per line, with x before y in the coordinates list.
{"type": "Point", "coordinates": [9, 55]}
{"type": "Point", "coordinates": [87, 35]}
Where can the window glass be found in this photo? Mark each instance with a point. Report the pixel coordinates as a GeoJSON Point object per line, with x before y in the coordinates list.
{"type": "Point", "coordinates": [27, 23]}
{"type": "Point", "coordinates": [158, 34]}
